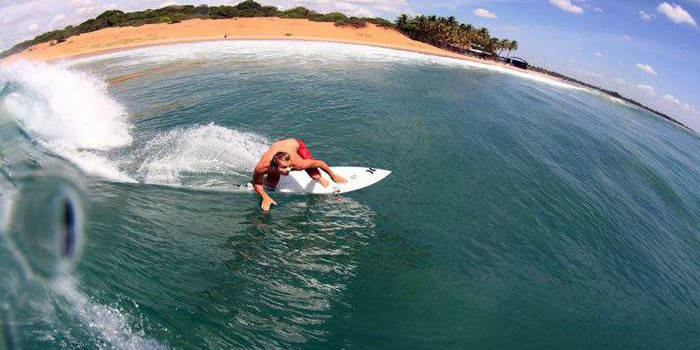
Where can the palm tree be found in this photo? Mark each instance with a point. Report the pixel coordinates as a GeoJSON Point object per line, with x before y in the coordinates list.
{"type": "Point", "coordinates": [422, 28]}
{"type": "Point", "coordinates": [448, 33]}
{"type": "Point", "coordinates": [492, 45]}
{"type": "Point", "coordinates": [402, 20]}
{"type": "Point", "coordinates": [468, 34]}
{"type": "Point", "coordinates": [512, 47]}
{"type": "Point", "coordinates": [482, 35]}
{"type": "Point", "coordinates": [504, 44]}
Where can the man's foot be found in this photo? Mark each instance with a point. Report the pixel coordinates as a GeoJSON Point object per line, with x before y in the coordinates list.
{"type": "Point", "coordinates": [323, 181]}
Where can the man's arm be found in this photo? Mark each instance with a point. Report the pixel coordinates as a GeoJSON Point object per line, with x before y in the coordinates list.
{"type": "Point", "coordinates": [315, 163]}
{"type": "Point", "coordinates": [258, 186]}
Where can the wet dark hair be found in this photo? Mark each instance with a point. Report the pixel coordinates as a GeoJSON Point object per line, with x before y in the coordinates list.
{"type": "Point", "coordinates": [279, 156]}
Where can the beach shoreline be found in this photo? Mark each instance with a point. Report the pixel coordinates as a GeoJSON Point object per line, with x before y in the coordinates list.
{"type": "Point", "coordinates": [115, 39]}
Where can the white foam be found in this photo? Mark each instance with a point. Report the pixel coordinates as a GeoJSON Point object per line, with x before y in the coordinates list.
{"type": "Point", "coordinates": [199, 149]}
{"type": "Point", "coordinates": [109, 324]}
{"type": "Point", "coordinates": [7, 204]}
{"type": "Point", "coordinates": [305, 51]}
{"type": "Point", "coordinates": [69, 112]}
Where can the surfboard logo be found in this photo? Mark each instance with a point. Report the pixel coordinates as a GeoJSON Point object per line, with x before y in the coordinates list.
{"type": "Point", "coordinates": [371, 170]}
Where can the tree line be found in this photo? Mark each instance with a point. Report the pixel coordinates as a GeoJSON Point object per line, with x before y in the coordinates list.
{"type": "Point", "coordinates": [443, 32]}
{"type": "Point", "coordinates": [178, 13]}
{"type": "Point", "coordinates": [447, 33]}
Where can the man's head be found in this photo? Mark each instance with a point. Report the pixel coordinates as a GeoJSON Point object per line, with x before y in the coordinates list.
{"type": "Point", "coordinates": [281, 162]}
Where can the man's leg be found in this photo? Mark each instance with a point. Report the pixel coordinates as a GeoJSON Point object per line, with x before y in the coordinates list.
{"type": "Point", "coordinates": [315, 173]}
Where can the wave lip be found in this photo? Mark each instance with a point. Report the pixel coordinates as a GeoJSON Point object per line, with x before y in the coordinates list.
{"type": "Point", "coordinates": [106, 323]}
{"type": "Point", "coordinates": [66, 107]}
{"type": "Point", "coordinates": [68, 112]}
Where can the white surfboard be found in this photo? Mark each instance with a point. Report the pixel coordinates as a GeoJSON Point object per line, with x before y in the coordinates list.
{"type": "Point", "coordinates": [358, 177]}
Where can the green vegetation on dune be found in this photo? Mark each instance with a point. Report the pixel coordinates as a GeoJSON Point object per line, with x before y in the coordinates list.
{"type": "Point", "coordinates": [177, 13]}
{"type": "Point", "coordinates": [442, 32]}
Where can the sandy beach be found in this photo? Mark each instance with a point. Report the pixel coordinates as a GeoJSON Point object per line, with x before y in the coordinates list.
{"type": "Point", "coordinates": [264, 28]}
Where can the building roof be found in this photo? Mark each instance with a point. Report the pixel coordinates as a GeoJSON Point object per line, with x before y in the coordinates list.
{"type": "Point", "coordinates": [479, 52]}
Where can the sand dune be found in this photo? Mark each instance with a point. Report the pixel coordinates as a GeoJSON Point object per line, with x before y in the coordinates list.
{"type": "Point", "coordinates": [111, 39]}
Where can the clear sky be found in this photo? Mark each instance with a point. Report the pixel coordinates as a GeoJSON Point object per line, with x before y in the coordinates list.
{"type": "Point", "coordinates": [647, 49]}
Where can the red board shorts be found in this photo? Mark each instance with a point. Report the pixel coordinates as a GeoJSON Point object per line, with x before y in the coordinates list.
{"type": "Point", "coordinates": [303, 152]}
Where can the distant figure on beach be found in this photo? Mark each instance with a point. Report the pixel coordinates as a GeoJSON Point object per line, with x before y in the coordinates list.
{"type": "Point", "coordinates": [282, 157]}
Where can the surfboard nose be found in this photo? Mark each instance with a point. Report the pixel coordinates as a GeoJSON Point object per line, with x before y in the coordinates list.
{"type": "Point", "coordinates": [381, 174]}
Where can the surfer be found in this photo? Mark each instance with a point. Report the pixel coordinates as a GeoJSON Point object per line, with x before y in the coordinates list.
{"type": "Point", "coordinates": [282, 157]}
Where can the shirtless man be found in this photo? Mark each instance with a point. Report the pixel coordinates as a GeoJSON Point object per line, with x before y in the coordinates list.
{"type": "Point", "coordinates": [282, 157]}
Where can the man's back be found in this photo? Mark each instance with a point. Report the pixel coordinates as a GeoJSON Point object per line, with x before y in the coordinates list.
{"type": "Point", "coordinates": [289, 146]}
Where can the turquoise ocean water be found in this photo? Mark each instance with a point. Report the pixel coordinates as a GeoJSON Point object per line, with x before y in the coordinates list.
{"type": "Point", "coordinates": [521, 213]}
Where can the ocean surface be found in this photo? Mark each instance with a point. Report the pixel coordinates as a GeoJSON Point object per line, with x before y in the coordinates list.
{"type": "Point", "coordinates": [521, 213]}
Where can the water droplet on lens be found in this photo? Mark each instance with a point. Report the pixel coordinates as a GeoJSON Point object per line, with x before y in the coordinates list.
{"type": "Point", "coordinates": [48, 225]}
{"type": "Point", "coordinates": [7, 329]}
{"type": "Point", "coordinates": [68, 229]}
